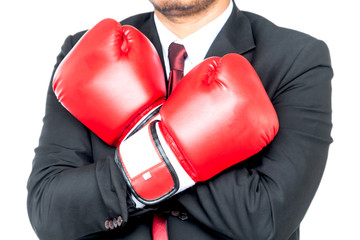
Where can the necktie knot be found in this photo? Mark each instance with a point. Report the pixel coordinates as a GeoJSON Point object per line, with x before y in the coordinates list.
{"type": "Point", "coordinates": [177, 55]}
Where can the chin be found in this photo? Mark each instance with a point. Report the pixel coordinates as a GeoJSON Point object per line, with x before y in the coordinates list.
{"type": "Point", "coordinates": [181, 8]}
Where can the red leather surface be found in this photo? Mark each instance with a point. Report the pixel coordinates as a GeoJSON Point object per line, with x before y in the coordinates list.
{"type": "Point", "coordinates": [110, 79]}
{"type": "Point", "coordinates": [218, 115]}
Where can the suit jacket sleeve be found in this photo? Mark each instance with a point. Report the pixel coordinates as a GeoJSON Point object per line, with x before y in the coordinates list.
{"type": "Point", "coordinates": [267, 196]}
{"type": "Point", "coordinates": [69, 194]}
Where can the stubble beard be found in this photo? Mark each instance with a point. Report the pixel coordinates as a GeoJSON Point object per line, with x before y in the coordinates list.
{"type": "Point", "coordinates": [177, 9]}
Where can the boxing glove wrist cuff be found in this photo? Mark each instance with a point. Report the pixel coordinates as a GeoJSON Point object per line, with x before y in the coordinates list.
{"type": "Point", "coordinates": [149, 166]}
{"type": "Point", "coordinates": [185, 181]}
{"type": "Point", "coordinates": [144, 171]}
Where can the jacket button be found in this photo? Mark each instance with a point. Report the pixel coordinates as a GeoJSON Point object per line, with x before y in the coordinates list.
{"type": "Point", "coordinates": [111, 224]}
{"type": "Point", "coordinates": [119, 221]}
{"type": "Point", "coordinates": [183, 216]}
{"type": "Point", "coordinates": [107, 224]}
{"type": "Point", "coordinates": [175, 213]}
{"type": "Point", "coordinates": [114, 223]}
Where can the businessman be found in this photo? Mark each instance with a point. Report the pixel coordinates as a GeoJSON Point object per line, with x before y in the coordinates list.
{"type": "Point", "coordinates": [78, 191]}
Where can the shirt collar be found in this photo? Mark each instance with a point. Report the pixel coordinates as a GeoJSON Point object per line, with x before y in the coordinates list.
{"type": "Point", "coordinates": [197, 44]}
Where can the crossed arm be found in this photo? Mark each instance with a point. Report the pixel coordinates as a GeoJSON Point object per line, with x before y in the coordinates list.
{"type": "Point", "coordinates": [75, 185]}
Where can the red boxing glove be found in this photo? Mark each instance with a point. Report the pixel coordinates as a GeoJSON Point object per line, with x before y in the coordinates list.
{"type": "Point", "coordinates": [110, 80]}
{"type": "Point", "coordinates": [218, 116]}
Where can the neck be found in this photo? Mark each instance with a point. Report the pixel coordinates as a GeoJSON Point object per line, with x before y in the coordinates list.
{"type": "Point", "coordinates": [183, 26]}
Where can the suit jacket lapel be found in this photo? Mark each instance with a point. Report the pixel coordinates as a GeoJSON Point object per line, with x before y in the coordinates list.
{"type": "Point", "coordinates": [235, 36]}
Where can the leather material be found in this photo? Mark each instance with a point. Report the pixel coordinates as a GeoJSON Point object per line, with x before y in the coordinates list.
{"type": "Point", "coordinates": [153, 178]}
{"type": "Point", "coordinates": [112, 78]}
{"type": "Point", "coordinates": [219, 115]}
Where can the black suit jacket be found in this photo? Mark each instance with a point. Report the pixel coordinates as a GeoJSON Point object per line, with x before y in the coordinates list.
{"type": "Point", "coordinates": [75, 185]}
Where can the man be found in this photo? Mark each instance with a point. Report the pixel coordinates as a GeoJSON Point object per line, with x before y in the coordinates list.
{"type": "Point", "coordinates": [77, 191]}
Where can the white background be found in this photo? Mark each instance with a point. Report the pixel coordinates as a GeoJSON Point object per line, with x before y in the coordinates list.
{"type": "Point", "coordinates": [32, 33]}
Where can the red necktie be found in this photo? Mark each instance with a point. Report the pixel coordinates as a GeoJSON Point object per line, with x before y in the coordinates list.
{"type": "Point", "coordinates": [159, 228]}
{"type": "Point", "coordinates": [177, 55]}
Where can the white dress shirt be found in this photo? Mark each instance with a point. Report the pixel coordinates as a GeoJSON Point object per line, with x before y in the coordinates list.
{"type": "Point", "coordinates": [197, 44]}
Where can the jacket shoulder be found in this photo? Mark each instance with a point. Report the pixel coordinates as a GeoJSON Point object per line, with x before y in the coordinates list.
{"type": "Point", "coordinates": [283, 54]}
{"type": "Point", "coordinates": [284, 45]}
{"type": "Point", "coordinates": [265, 30]}
{"type": "Point", "coordinates": [137, 20]}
